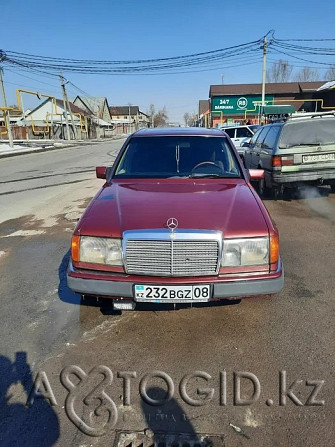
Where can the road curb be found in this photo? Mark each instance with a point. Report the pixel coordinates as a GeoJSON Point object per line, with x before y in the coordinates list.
{"type": "Point", "coordinates": [53, 148]}
{"type": "Point", "coordinates": [35, 151]}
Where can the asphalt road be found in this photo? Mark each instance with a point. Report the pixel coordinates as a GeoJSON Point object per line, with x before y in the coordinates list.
{"type": "Point", "coordinates": [289, 337]}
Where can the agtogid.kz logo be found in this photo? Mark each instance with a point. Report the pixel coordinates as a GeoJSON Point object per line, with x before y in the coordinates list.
{"type": "Point", "coordinates": [88, 397]}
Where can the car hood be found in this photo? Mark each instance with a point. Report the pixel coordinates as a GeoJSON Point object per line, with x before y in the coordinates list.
{"type": "Point", "coordinates": [225, 205]}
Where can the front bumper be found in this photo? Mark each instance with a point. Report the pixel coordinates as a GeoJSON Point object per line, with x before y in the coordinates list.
{"type": "Point", "coordinates": [224, 289]}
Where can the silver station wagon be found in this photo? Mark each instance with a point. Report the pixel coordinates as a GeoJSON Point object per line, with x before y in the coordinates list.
{"type": "Point", "coordinates": [298, 151]}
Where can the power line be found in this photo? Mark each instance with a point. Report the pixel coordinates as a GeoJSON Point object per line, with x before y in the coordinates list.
{"type": "Point", "coordinates": [80, 90]}
{"type": "Point", "coordinates": [306, 40]}
{"type": "Point", "coordinates": [149, 71]}
{"type": "Point", "coordinates": [27, 56]}
{"type": "Point", "coordinates": [58, 89]}
{"type": "Point", "coordinates": [88, 66]}
{"type": "Point", "coordinates": [305, 50]}
{"type": "Point", "coordinates": [220, 67]}
{"type": "Point", "coordinates": [23, 85]}
{"type": "Point", "coordinates": [224, 58]}
{"type": "Point", "coordinates": [223, 65]}
{"type": "Point", "coordinates": [275, 61]}
{"type": "Point", "coordinates": [28, 77]}
{"type": "Point", "coordinates": [302, 59]}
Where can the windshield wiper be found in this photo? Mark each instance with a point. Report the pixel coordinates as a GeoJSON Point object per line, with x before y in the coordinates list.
{"type": "Point", "coordinates": [212, 176]}
{"type": "Point", "coordinates": [177, 157]}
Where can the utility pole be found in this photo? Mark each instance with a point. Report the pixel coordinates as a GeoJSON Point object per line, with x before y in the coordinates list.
{"type": "Point", "coordinates": [129, 104]}
{"type": "Point", "coordinates": [67, 107]}
{"type": "Point", "coordinates": [6, 112]}
{"type": "Point", "coordinates": [264, 72]}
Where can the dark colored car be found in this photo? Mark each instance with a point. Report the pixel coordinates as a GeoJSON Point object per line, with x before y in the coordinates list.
{"type": "Point", "coordinates": [298, 151]}
{"type": "Point", "coordinates": [177, 221]}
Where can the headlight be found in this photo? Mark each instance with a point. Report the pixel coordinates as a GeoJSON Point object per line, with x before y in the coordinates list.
{"type": "Point", "coordinates": [100, 250]}
{"type": "Point", "coordinates": [243, 252]}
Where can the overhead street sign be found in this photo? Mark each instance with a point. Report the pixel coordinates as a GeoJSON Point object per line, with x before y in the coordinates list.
{"type": "Point", "coordinates": [237, 105]}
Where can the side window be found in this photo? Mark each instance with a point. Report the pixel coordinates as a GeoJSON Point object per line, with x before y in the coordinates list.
{"type": "Point", "coordinates": [271, 137]}
{"type": "Point", "coordinates": [243, 132]}
{"type": "Point", "coordinates": [230, 132]}
{"type": "Point", "coordinates": [262, 136]}
{"type": "Point", "coordinates": [255, 136]}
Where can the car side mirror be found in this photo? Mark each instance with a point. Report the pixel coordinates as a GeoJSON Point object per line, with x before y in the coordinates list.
{"type": "Point", "coordinates": [256, 174]}
{"type": "Point", "coordinates": [104, 172]}
{"type": "Point", "coordinates": [101, 171]}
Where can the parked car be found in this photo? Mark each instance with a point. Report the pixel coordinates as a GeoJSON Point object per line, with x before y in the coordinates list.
{"type": "Point", "coordinates": [298, 151]}
{"type": "Point", "coordinates": [177, 221]}
{"type": "Point", "coordinates": [240, 135]}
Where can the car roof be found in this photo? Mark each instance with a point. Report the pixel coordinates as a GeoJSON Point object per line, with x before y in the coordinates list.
{"type": "Point", "coordinates": [179, 131]}
{"type": "Point", "coordinates": [229, 126]}
{"type": "Point", "coordinates": [309, 119]}
{"type": "Point", "coordinates": [302, 119]}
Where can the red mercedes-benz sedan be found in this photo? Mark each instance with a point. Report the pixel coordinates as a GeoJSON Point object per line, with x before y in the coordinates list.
{"type": "Point", "coordinates": [177, 221]}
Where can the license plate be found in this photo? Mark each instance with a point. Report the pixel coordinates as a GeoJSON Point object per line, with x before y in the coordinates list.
{"type": "Point", "coordinates": [318, 157]}
{"type": "Point", "coordinates": [180, 294]}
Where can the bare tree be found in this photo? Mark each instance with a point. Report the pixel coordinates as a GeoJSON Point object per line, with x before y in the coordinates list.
{"type": "Point", "coordinates": [280, 71]}
{"type": "Point", "coordinates": [151, 112]}
{"type": "Point", "coordinates": [306, 74]}
{"type": "Point", "coordinates": [159, 118]}
{"type": "Point", "coordinates": [190, 119]}
{"type": "Point", "coordinates": [330, 74]}
{"type": "Point", "coordinates": [15, 110]}
{"type": "Point", "coordinates": [186, 118]}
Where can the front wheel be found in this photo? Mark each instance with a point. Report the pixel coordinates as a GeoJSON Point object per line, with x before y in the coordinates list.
{"type": "Point", "coordinates": [332, 187]}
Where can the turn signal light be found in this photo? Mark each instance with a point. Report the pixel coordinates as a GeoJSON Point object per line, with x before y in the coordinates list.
{"type": "Point", "coordinates": [75, 245]}
{"type": "Point", "coordinates": [274, 248]}
{"type": "Point", "coordinates": [276, 161]}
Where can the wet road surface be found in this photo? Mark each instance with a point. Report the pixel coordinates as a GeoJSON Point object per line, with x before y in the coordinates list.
{"type": "Point", "coordinates": [43, 329]}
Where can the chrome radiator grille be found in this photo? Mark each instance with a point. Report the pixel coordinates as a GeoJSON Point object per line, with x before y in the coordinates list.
{"type": "Point", "coordinates": [172, 257]}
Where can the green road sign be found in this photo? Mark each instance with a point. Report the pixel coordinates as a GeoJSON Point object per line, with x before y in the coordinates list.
{"type": "Point", "coordinates": [237, 105]}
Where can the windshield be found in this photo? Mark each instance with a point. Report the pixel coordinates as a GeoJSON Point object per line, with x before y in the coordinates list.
{"type": "Point", "coordinates": [185, 156]}
{"type": "Point", "coordinates": [315, 131]}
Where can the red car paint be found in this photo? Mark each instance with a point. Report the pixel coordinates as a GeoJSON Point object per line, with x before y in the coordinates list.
{"type": "Point", "coordinates": [229, 205]}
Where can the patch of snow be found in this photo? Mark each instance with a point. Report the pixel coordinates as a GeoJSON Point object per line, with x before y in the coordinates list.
{"type": "Point", "coordinates": [25, 233]}
{"type": "Point", "coordinates": [6, 148]}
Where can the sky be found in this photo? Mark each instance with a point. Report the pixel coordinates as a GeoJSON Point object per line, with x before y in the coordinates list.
{"type": "Point", "coordinates": [149, 29]}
